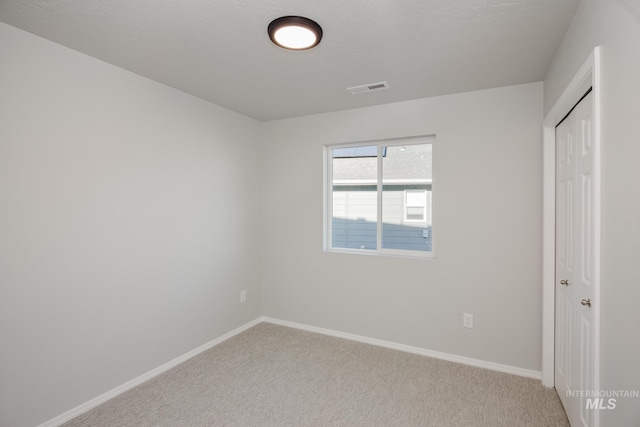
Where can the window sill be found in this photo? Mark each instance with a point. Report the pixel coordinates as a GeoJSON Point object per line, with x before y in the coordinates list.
{"type": "Point", "coordinates": [384, 253]}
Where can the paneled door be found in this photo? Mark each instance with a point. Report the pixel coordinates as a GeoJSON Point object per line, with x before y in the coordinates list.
{"type": "Point", "coordinates": [575, 254]}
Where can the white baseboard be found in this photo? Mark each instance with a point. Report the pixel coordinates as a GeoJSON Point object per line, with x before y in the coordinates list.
{"type": "Point", "coordinates": [409, 349]}
{"type": "Point", "coordinates": [63, 418]}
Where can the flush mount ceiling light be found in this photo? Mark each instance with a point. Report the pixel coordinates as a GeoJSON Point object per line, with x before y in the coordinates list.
{"type": "Point", "coordinates": [295, 32]}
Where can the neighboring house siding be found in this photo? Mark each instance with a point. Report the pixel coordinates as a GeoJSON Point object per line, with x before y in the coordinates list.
{"type": "Point", "coordinates": [354, 219]}
{"type": "Point", "coordinates": [397, 233]}
{"type": "Point", "coordinates": [355, 213]}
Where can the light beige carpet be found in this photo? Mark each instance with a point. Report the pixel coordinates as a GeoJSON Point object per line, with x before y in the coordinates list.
{"type": "Point", "coordinates": [276, 376]}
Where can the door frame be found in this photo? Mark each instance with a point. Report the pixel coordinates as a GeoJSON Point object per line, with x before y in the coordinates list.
{"type": "Point", "coordinates": [588, 76]}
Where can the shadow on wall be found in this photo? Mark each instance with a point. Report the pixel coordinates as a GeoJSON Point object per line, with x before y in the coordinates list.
{"type": "Point", "coordinates": [361, 234]}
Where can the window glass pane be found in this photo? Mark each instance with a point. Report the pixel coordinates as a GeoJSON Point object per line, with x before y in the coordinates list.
{"type": "Point", "coordinates": [406, 197]}
{"type": "Point", "coordinates": [355, 197]}
{"type": "Point", "coordinates": [415, 213]}
{"type": "Point", "coordinates": [416, 198]}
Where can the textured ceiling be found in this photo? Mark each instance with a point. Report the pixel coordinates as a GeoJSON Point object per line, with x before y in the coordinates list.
{"type": "Point", "coordinates": [219, 50]}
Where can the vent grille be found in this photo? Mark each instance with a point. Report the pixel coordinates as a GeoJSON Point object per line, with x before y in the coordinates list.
{"type": "Point", "coordinates": [368, 88]}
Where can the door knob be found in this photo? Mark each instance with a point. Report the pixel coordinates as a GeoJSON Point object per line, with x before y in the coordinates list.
{"type": "Point", "coordinates": [564, 282]}
{"type": "Point", "coordinates": [586, 302]}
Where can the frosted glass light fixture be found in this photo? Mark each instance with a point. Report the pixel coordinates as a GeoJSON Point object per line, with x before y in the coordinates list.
{"type": "Point", "coordinates": [295, 32]}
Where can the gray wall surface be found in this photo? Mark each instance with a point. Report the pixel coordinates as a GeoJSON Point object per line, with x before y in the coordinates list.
{"type": "Point", "coordinates": [123, 240]}
{"type": "Point", "coordinates": [615, 26]}
{"type": "Point", "coordinates": [487, 237]}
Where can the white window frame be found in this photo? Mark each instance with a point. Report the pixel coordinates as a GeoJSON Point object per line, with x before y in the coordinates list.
{"type": "Point", "coordinates": [407, 206]}
{"type": "Point", "coordinates": [328, 198]}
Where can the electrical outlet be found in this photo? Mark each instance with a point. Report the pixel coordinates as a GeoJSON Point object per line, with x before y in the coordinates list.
{"type": "Point", "coordinates": [467, 320]}
{"type": "Point", "coordinates": [243, 296]}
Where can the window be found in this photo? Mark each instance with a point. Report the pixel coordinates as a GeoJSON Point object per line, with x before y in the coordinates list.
{"type": "Point", "coordinates": [379, 197]}
{"type": "Point", "coordinates": [415, 205]}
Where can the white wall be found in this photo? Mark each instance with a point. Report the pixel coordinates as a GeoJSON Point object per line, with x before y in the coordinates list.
{"type": "Point", "coordinates": [614, 25]}
{"type": "Point", "coordinates": [128, 226]}
{"type": "Point", "coordinates": [487, 229]}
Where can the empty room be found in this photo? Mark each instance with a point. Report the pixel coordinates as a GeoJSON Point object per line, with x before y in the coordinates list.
{"type": "Point", "coordinates": [297, 213]}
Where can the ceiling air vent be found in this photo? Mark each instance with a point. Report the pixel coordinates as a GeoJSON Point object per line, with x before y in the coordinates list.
{"type": "Point", "coordinates": [368, 88]}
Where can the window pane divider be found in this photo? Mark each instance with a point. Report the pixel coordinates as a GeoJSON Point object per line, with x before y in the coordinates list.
{"type": "Point", "coordinates": [379, 198]}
